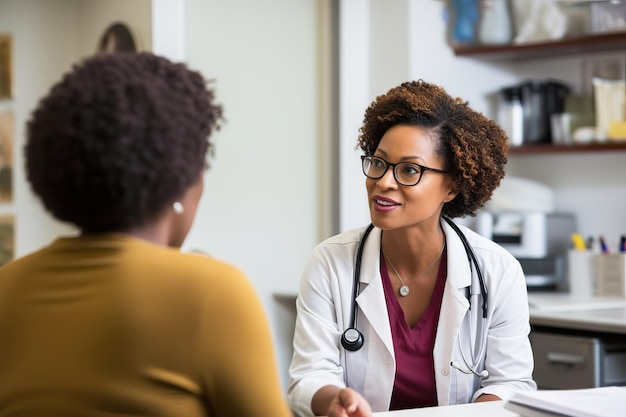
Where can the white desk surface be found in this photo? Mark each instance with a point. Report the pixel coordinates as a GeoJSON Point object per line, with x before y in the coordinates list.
{"type": "Point", "coordinates": [562, 310]}
{"type": "Point", "coordinates": [484, 409]}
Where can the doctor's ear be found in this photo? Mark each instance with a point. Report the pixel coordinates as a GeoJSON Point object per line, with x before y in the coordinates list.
{"type": "Point", "coordinates": [452, 193]}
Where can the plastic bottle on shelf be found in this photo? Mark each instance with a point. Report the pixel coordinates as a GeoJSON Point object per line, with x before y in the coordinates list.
{"type": "Point", "coordinates": [495, 22]}
{"type": "Point", "coordinates": [465, 19]}
{"type": "Point", "coordinates": [511, 114]}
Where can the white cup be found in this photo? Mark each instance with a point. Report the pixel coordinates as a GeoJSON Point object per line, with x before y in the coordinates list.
{"type": "Point", "coordinates": [580, 273]}
{"type": "Point", "coordinates": [560, 128]}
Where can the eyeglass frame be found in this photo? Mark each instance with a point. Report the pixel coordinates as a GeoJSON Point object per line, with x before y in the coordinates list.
{"type": "Point", "coordinates": [422, 168]}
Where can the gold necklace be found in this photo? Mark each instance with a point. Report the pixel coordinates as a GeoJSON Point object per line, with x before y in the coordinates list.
{"type": "Point", "coordinates": [404, 289]}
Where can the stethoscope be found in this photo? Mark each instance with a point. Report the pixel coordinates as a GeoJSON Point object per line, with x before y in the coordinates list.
{"type": "Point", "coordinates": [352, 338]}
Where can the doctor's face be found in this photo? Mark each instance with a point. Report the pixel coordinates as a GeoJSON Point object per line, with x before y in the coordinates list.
{"type": "Point", "coordinates": [393, 205]}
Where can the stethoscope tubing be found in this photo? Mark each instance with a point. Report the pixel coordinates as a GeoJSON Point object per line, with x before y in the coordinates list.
{"type": "Point", "coordinates": [352, 338]}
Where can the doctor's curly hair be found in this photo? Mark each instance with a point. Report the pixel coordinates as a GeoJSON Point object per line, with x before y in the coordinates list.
{"type": "Point", "coordinates": [472, 147]}
{"type": "Point", "coordinates": [120, 138]}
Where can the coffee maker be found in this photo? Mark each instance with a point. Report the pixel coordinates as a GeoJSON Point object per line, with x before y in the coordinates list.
{"type": "Point", "coordinates": [524, 110]}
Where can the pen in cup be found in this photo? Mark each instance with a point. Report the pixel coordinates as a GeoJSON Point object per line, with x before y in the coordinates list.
{"type": "Point", "coordinates": [603, 245]}
{"type": "Point", "coordinates": [622, 244]}
{"type": "Point", "coordinates": [578, 241]}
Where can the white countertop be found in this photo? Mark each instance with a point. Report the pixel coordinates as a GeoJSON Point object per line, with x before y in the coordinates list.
{"type": "Point", "coordinates": [601, 314]}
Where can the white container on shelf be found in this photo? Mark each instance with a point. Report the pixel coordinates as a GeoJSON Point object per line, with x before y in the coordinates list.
{"type": "Point", "coordinates": [495, 22]}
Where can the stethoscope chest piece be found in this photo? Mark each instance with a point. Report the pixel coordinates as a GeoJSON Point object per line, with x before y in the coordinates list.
{"type": "Point", "coordinates": [352, 339]}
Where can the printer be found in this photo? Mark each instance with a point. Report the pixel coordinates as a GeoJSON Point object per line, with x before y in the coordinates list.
{"type": "Point", "coordinates": [539, 240]}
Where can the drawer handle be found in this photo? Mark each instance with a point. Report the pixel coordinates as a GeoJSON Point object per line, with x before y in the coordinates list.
{"type": "Point", "coordinates": [561, 358]}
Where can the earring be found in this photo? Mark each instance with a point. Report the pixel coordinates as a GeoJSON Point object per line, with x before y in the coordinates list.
{"type": "Point", "coordinates": [178, 207]}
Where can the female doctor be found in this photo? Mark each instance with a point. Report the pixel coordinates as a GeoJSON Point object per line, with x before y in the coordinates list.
{"type": "Point", "coordinates": [415, 311]}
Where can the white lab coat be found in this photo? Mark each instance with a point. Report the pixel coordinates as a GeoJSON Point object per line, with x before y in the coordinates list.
{"type": "Point", "coordinates": [324, 307]}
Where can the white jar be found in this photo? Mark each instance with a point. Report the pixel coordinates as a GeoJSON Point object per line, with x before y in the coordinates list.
{"type": "Point", "coordinates": [510, 114]}
{"type": "Point", "coordinates": [495, 22]}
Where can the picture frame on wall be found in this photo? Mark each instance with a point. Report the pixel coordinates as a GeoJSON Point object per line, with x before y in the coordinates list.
{"type": "Point", "coordinates": [7, 137]}
{"type": "Point", "coordinates": [7, 238]}
{"type": "Point", "coordinates": [6, 66]}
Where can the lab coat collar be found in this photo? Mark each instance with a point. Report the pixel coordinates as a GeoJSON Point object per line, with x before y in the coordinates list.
{"type": "Point", "coordinates": [458, 266]}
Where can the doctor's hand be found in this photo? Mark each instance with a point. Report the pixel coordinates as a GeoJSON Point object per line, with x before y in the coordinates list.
{"type": "Point", "coordinates": [333, 401]}
{"type": "Point", "coordinates": [349, 403]}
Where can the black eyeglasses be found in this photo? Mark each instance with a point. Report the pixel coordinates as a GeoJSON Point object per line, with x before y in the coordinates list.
{"type": "Point", "coordinates": [405, 173]}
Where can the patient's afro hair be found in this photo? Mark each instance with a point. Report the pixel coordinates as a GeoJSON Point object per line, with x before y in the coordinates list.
{"type": "Point", "coordinates": [119, 138]}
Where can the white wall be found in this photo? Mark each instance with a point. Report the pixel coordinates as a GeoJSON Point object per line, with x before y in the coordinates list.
{"type": "Point", "coordinates": [354, 96]}
{"type": "Point", "coordinates": [259, 208]}
{"type": "Point", "coordinates": [169, 29]}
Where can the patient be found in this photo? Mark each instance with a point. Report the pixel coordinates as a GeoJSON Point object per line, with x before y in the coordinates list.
{"type": "Point", "coordinates": [116, 320]}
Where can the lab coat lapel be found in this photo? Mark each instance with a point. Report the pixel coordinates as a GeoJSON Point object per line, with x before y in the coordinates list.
{"type": "Point", "coordinates": [453, 309]}
{"type": "Point", "coordinates": [371, 299]}
{"type": "Point", "coordinates": [379, 374]}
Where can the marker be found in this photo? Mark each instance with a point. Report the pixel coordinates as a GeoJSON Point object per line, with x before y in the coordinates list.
{"type": "Point", "coordinates": [605, 248]}
{"type": "Point", "coordinates": [578, 241]}
{"type": "Point", "coordinates": [622, 244]}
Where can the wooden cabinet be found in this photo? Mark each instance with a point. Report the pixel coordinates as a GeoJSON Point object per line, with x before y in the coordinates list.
{"type": "Point", "coordinates": [608, 42]}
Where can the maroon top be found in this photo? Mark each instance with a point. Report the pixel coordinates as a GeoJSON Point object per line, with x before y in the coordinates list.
{"type": "Point", "coordinates": [414, 384]}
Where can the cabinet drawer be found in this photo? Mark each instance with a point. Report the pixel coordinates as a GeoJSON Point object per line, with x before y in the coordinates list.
{"type": "Point", "coordinates": [565, 362]}
{"type": "Point", "coordinates": [570, 362]}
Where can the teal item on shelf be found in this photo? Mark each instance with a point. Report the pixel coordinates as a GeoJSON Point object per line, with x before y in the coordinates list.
{"type": "Point", "coordinates": [464, 23]}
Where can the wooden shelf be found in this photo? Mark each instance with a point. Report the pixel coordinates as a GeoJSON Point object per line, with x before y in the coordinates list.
{"type": "Point", "coordinates": [604, 42]}
{"type": "Point", "coordinates": [547, 148]}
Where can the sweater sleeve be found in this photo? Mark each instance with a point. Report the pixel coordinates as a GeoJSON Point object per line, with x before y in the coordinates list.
{"type": "Point", "coordinates": [236, 352]}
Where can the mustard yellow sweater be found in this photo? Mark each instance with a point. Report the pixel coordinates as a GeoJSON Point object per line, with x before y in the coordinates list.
{"type": "Point", "coordinates": [110, 325]}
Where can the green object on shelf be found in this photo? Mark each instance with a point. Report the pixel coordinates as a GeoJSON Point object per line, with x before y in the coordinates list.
{"type": "Point", "coordinates": [581, 110]}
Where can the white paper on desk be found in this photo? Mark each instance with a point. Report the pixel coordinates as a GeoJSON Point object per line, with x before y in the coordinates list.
{"type": "Point", "coordinates": [524, 411]}
{"type": "Point", "coordinates": [591, 402]}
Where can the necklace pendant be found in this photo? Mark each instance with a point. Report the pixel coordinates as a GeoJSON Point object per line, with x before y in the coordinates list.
{"type": "Point", "coordinates": [404, 291]}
